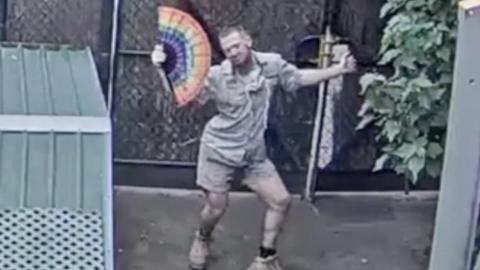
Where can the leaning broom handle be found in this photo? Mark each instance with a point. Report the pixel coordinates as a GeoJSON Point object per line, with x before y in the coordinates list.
{"type": "Point", "coordinates": [325, 53]}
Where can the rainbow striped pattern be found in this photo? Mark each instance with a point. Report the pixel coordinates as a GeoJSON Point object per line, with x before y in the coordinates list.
{"type": "Point", "coordinates": [188, 52]}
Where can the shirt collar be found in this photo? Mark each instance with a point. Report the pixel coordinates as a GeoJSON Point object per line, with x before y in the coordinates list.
{"type": "Point", "coordinates": [227, 66]}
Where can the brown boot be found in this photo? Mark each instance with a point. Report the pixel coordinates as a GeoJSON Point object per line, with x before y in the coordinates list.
{"type": "Point", "coordinates": [199, 251]}
{"type": "Point", "coordinates": [269, 263]}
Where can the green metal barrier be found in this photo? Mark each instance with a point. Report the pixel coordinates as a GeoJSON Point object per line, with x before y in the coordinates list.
{"type": "Point", "coordinates": [55, 161]}
{"type": "Point", "coordinates": [458, 201]}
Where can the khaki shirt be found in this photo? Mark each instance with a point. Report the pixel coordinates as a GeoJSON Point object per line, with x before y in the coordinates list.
{"type": "Point", "coordinates": [236, 133]}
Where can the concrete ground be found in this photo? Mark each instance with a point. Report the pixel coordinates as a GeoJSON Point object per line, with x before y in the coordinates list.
{"type": "Point", "coordinates": [338, 232]}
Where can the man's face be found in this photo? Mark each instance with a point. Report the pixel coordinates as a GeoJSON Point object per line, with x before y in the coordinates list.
{"type": "Point", "coordinates": [236, 47]}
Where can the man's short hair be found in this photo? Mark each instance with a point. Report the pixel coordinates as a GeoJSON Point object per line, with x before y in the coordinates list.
{"type": "Point", "coordinates": [227, 30]}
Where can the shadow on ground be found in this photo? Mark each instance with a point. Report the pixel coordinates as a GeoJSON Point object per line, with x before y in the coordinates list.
{"type": "Point", "coordinates": [338, 232]}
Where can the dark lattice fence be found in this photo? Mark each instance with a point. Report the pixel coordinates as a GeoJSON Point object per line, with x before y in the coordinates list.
{"type": "Point", "coordinates": [148, 126]}
{"type": "Point", "coordinates": [75, 22]}
{"type": "Point", "coordinates": [54, 21]}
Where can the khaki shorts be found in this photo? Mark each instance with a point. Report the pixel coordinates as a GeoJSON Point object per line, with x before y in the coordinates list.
{"type": "Point", "coordinates": [215, 176]}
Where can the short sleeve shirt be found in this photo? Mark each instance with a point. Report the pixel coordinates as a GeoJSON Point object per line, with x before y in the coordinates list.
{"type": "Point", "coordinates": [236, 133]}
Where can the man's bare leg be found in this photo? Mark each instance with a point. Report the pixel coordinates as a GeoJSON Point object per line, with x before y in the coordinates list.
{"type": "Point", "coordinates": [278, 202]}
{"type": "Point", "coordinates": [215, 206]}
{"type": "Point", "coordinates": [277, 199]}
{"type": "Point", "coordinates": [267, 184]}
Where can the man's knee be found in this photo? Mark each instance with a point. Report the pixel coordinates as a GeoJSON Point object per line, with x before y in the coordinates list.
{"type": "Point", "coordinates": [217, 203]}
{"type": "Point", "coordinates": [281, 202]}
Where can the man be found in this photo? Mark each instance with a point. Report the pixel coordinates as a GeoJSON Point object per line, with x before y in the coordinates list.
{"type": "Point", "coordinates": [233, 140]}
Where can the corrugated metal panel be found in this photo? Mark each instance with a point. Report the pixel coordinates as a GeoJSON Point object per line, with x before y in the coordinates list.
{"type": "Point", "coordinates": [49, 80]}
{"type": "Point", "coordinates": [55, 160]}
{"type": "Point", "coordinates": [60, 170]}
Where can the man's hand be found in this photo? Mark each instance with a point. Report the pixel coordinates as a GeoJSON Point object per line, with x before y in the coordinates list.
{"type": "Point", "coordinates": [158, 55]}
{"type": "Point", "coordinates": [348, 64]}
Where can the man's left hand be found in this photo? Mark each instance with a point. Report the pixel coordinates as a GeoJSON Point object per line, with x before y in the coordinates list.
{"type": "Point", "coordinates": [348, 64]}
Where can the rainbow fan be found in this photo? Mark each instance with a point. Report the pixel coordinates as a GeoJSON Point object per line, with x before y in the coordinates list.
{"type": "Point", "coordinates": [188, 52]}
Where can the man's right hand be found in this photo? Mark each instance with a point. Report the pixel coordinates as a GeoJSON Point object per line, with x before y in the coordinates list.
{"type": "Point", "coordinates": [158, 55]}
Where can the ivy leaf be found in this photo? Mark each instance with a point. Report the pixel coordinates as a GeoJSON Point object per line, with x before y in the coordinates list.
{"type": "Point", "coordinates": [393, 129]}
{"type": "Point", "coordinates": [399, 81]}
{"type": "Point", "coordinates": [429, 26]}
{"type": "Point", "coordinates": [406, 61]}
{"type": "Point", "coordinates": [366, 120]}
{"type": "Point", "coordinates": [434, 150]}
{"type": "Point", "coordinates": [421, 151]}
{"type": "Point", "coordinates": [388, 148]}
{"type": "Point", "coordinates": [389, 55]}
{"type": "Point", "coordinates": [437, 94]}
{"type": "Point", "coordinates": [440, 118]}
{"type": "Point", "coordinates": [446, 78]}
{"type": "Point", "coordinates": [405, 151]}
{"type": "Point", "coordinates": [434, 168]}
{"type": "Point", "coordinates": [386, 42]}
{"type": "Point", "coordinates": [365, 109]}
{"type": "Point", "coordinates": [368, 79]}
{"type": "Point", "coordinates": [383, 104]}
{"type": "Point", "coordinates": [427, 45]}
{"type": "Point", "coordinates": [414, 115]}
{"type": "Point", "coordinates": [423, 81]}
{"type": "Point", "coordinates": [444, 53]}
{"type": "Point", "coordinates": [415, 165]}
{"type": "Point", "coordinates": [380, 163]}
{"type": "Point", "coordinates": [400, 169]}
{"type": "Point", "coordinates": [424, 100]}
{"type": "Point", "coordinates": [424, 125]}
{"type": "Point", "coordinates": [415, 4]}
{"type": "Point", "coordinates": [399, 19]}
{"type": "Point", "coordinates": [409, 89]}
{"type": "Point", "coordinates": [412, 133]}
{"type": "Point", "coordinates": [421, 142]}
{"type": "Point", "coordinates": [439, 39]}
{"type": "Point", "coordinates": [386, 9]}
{"type": "Point", "coordinates": [394, 92]}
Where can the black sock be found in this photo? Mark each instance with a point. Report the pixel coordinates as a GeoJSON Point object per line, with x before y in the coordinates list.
{"type": "Point", "coordinates": [203, 233]}
{"type": "Point", "coordinates": [265, 252]}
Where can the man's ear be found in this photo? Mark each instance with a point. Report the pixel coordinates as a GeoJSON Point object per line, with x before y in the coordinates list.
{"type": "Point", "coordinates": [248, 40]}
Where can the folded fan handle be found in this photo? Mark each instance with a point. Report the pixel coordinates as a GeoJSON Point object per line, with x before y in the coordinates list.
{"type": "Point", "coordinates": [164, 79]}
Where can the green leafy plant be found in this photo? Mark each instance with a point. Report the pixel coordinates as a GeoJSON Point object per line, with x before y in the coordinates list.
{"type": "Point", "coordinates": [410, 107]}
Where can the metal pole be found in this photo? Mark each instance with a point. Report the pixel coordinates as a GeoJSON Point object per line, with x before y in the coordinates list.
{"type": "Point", "coordinates": [3, 19]}
{"type": "Point", "coordinates": [325, 53]}
{"type": "Point", "coordinates": [457, 210]}
{"type": "Point", "coordinates": [102, 51]}
{"type": "Point", "coordinates": [113, 53]}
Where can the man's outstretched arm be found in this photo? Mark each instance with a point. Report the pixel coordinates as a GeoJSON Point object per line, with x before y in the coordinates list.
{"type": "Point", "coordinates": [308, 77]}
{"type": "Point", "coordinates": [293, 78]}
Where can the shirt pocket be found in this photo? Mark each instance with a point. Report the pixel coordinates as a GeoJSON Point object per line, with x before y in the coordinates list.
{"type": "Point", "coordinates": [271, 80]}
{"type": "Point", "coordinates": [231, 93]}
